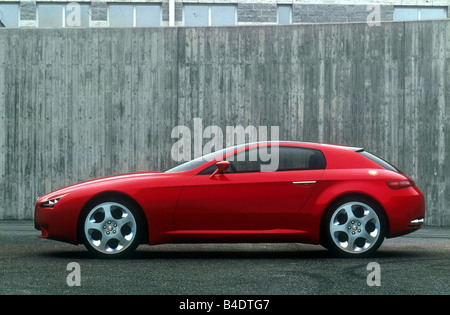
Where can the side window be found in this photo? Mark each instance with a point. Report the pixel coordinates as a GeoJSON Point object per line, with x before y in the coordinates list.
{"type": "Point", "coordinates": [247, 161]}
{"type": "Point", "coordinates": [292, 158]}
{"type": "Point", "coordinates": [289, 159]}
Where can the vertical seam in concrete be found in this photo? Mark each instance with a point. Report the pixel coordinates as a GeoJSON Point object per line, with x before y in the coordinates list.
{"type": "Point", "coordinates": [177, 78]}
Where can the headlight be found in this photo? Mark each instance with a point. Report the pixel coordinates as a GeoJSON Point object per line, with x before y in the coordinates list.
{"type": "Point", "coordinates": [50, 203]}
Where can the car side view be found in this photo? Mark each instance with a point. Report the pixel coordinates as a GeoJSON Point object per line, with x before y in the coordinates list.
{"type": "Point", "coordinates": [344, 198]}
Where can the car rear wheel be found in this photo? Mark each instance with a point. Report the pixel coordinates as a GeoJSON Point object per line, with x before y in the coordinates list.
{"type": "Point", "coordinates": [111, 229]}
{"type": "Point", "coordinates": [354, 228]}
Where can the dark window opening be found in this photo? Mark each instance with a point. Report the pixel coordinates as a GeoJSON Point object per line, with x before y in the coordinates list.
{"type": "Point", "coordinates": [289, 159]}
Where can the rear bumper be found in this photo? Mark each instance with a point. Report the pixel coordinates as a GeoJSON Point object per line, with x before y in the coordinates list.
{"type": "Point", "coordinates": [406, 213]}
{"type": "Point", "coordinates": [417, 222]}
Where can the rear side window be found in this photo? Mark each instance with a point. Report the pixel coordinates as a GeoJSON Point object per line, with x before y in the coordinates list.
{"type": "Point", "coordinates": [289, 159]}
{"type": "Point", "coordinates": [380, 161]}
{"type": "Point", "coordinates": [292, 158]}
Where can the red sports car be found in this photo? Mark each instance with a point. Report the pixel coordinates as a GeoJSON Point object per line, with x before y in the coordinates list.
{"type": "Point", "coordinates": [343, 198]}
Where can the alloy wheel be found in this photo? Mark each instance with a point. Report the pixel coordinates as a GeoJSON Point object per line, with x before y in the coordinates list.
{"type": "Point", "coordinates": [355, 228]}
{"type": "Point", "coordinates": [110, 228]}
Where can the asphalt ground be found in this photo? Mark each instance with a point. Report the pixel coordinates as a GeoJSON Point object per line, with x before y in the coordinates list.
{"type": "Point", "coordinates": [414, 264]}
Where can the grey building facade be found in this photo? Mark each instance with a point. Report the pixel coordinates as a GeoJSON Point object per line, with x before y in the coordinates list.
{"type": "Point", "coordinates": [154, 13]}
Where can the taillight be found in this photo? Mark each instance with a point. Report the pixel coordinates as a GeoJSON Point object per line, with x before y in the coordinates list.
{"type": "Point", "coordinates": [399, 184]}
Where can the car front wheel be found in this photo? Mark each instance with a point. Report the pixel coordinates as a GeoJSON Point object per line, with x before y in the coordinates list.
{"type": "Point", "coordinates": [354, 228]}
{"type": "Point", "coordinates": [111, 229]}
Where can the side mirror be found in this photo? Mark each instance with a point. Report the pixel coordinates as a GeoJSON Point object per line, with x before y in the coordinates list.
{"type": "Point", "coordinates": [221, 167]}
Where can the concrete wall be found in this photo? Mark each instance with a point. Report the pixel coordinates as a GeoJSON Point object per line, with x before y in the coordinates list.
{"type": "Point", "coordinates": [81, 103]}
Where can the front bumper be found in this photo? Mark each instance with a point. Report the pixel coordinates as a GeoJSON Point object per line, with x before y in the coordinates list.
{"type": "Point", "coordinates": [55, 223]}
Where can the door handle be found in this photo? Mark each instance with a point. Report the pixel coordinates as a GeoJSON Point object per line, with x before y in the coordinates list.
{"type": "Point", "coordinates": [304, 183]}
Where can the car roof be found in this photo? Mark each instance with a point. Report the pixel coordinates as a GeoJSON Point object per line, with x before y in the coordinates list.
{"type": "Point", "coordinates": [305, 143]}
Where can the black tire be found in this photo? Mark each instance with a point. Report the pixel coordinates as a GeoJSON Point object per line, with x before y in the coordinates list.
{"type": "Point", "coordinates": [354, 227]}
{"type": "Point", "coordinates": [111, 228]}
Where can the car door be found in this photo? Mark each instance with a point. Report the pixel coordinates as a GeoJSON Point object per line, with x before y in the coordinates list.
{"type": "Point", "coordinates": [244, 198]}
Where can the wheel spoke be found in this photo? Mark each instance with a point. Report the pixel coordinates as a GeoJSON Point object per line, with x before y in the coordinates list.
{"type": "Point", "coordinates": [102, 244]}
{"type": "Point", "coordinates": [351, 242]}
{"type": "Point", "coordinates": [107, 210]}
{"type": "Point", "coordinates": [339, 228]}
{"type": "Point", "coordinates": [369, 216]}
{"type": "Point", "coordinates": [122, 240]}
{"type": "Point", "coordinates": [92, 225]}
{"type": "Point", "coordinates": [348, 211]}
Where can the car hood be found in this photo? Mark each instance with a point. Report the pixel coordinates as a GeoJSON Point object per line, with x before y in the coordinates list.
{"type": "Point", "coordinates": [121, 177]}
